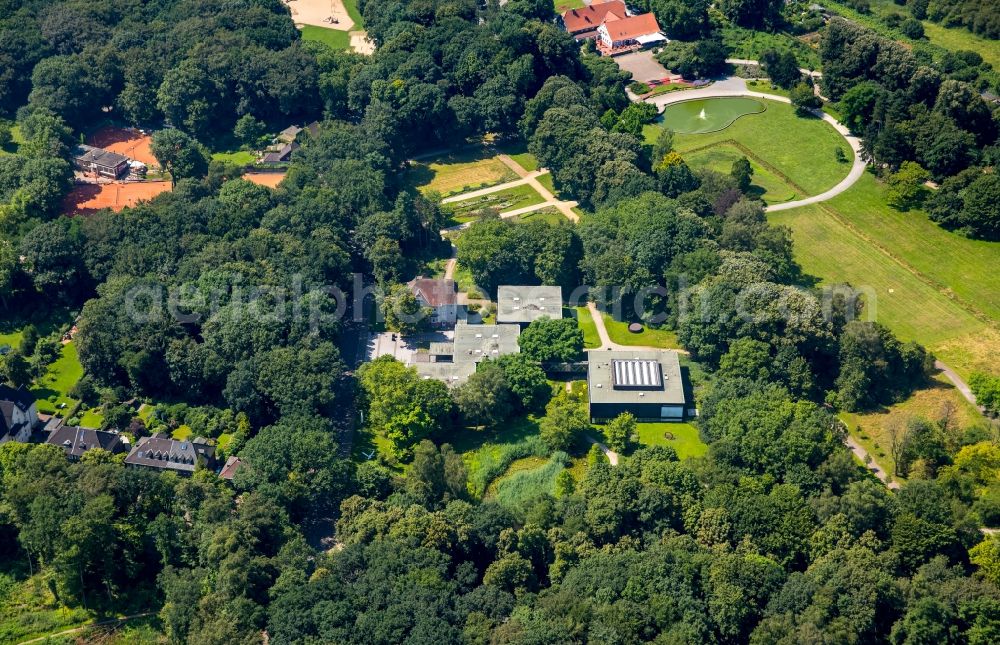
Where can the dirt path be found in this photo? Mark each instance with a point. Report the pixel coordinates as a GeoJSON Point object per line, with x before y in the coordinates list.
{"type": "Point", "coordinates": [449, 267]}
{"type": "Point", "coordinates": [566, 208]}
{"type": "Point", "coordinates": [608, 452]}
{"type": "Point", "coordinates": [101, 623]}
{"type": "Point", "coordinates": [959, 384]}
{"type": "Point", "coordinates": [736, 87]}
{"type": "Point", "coordinates": [870, 463]}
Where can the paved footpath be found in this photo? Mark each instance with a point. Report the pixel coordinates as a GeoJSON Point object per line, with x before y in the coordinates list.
{"type": "Point", "coordinates": [734, 86]}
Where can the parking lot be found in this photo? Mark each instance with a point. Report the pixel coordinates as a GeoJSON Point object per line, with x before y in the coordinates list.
{"type": "Point", "coordinates": [643, 66]}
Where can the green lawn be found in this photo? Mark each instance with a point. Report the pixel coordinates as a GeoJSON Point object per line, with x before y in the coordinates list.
{"type": "Point", "coordinates": [11, 338]}
{"type": "Point", "coordinates": [619, 333]}
{"type": "Point", "coordinates": [801, 149]}
{"type": "Point", "coordinates": [546, 180]}
{"type": "Point", "coordinates": [181, 433]}
{"type": "Point", "coordinates": [767, 88]}
{"type": "Point", "coordinates": [92, 418]}
{"type": "Point", "coordinates": [351, 6]}
{"type": "Point", "coordinates": [223, 441]}
{"type": "Point", "coordinates": [334, 38]}
{"type": "Point", "coordinates": [766, 185]}
{"type": "Point", "coordinates": [521, 156]}
{"type": "Point", "coordinates": [238, 157]}
{"type": "Point", "coordinates": [591, 339]}
{"type": "Point", "coordinates": [969, 268]}
{"type": "Point", "coordinates": [961, 38]}
{"type": "Point", "coordinates": [52, 389]}
{"type": "Point", "coordinates": [565, 5]}
{"type": "Point", "coordinates": [898, 298]}
{"type": "Point", "coordinates": [685, 439]}
{"type": "Point", "coordinates": [504, 201]}
{"type": "Point", "coordinates": [550, 216]}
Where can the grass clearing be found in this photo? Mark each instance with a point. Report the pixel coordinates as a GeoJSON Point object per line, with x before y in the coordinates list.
{"type": "Point", "coordinates": [530, 481]}
{"type": "Point", "coordinates": [896, 297]}
{"type": "Point", "coordinates": [459, 172]}
{"type": "Point", "coordinates": [52, 390]}
{"type": "Point", "coordinates": [591, 339]}
{"type": "Point", "coordinates": [334, 38]}
{"type": "Point", "coordinates": [92, 418]}
{"type": "Point", "coordinates": [29, 610]}
{"type": "Point", "coordinates": [765, 186]}
{"type": "Point", "coordinates": [237, 157]}
{"type": "Point", "coordinates": [956, 38]}
{"type": "Point", "coordinates": [519, 153]}
{"type": "Point", "coordinates": [966, 267]}
{"type": "Point", "coordinates": [549, 215]}
{"type": "Point", "coordinates": [871, 429]}
{"type": "Point", "coordinates": [800, 150]}
{"type": "Point", "coordinates": [504, 201]}
{"type": "Point", "coordinates": [181, 433]}
{"type": "Point", "coordinates": [685, 439]}
{"type": "Point", "coordinates": [649, 337]}
{"type": "Point", "coordinates": [565, 5]}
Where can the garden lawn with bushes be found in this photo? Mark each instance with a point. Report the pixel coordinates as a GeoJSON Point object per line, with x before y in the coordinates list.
{"type": "Point", "coordinates": [52, 390]}
{"type": "Point", "coordinates": [685, 441]}
{"type": "Point", "coordinates": [648, 337]}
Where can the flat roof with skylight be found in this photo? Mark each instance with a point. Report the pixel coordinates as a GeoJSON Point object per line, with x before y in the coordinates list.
{"type": "Point", "coordinates": [646, 383]}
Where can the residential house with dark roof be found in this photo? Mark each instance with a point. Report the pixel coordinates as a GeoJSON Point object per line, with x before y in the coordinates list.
{"type": "Point", "coordinates": [76, 441]}
{"type": "Point", "coordinates": [100, 162]}
{"type": "Point", "coordinates": [18, 414]}
{"type": "Point", "coordinates": [162, 453]}
{"type": "Point", "coordinates": [440, 295]}
{"type": "Point", "coordinates": [282, 155]}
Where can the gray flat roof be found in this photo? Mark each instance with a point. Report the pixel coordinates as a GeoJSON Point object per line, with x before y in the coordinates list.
{"type": "Point", "coordinates": [636, 376]}
{"type": "Point", "coordinates": [100, 156]}
{"type": "Point", "coordinates": [476, 342]}
{"type": "Point", "coordinates": [452, 374]}
{"type": "Point", "coordinates": [524, 304]}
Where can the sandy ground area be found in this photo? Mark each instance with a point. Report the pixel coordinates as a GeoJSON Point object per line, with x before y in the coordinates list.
{"type": "Point", "coordinates": [86, 199]}
{"type": "Point", "coordinates": [361, 44]}
{"type": "Point", "coordinates": [269, 179]}
{"type": "Point", "coordinates": [319, 12]}
{"type": "Point", "coordinates": [125, 141]}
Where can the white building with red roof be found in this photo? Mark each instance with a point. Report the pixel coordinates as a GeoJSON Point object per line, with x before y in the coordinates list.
{"type": "Point", "coordinates": [613, 27]}
{"type": "Point", "coordinates": [586, 20]}
{"type": "Point", "coordinates": [440, 295]}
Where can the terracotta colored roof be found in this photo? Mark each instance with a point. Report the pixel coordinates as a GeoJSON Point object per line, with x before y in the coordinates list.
{"type": "Point", "coordinates": [232, 465]}
{"type": "Point", "coordinates": [632, 27]}
{"type": "Point", "coordinates": [588, 18]}
{"type": "Point", "coordinates": [436, 293]}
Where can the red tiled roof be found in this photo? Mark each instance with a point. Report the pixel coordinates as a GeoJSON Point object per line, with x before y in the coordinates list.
{"type": "Point", "coordinates": [436, 293]}
{"type": "Point", "coordinates": [588, 18]}
{"type": "Point", "coordinates": [632, 27]}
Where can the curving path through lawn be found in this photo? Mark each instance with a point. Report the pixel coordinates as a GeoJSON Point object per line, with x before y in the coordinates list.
{"type": "Point", "coordinates": [737, 87]}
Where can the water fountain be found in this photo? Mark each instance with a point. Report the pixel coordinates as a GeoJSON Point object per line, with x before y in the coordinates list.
{"type": "Point", "coordinates": [701, 115]}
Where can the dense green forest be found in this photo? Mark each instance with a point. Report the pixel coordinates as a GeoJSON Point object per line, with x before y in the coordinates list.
{"type": "Point", "coordinates": [776, 535]}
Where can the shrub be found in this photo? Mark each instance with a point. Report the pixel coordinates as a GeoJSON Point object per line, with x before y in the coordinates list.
{"type": "Point", "coordinates": [489, 464]}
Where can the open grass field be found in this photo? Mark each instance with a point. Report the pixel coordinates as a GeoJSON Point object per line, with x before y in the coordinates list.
{"type": "Point", "coordinates": [765, 186]}
{"type": "Point", "coordinates": [459, 172]}
{"type": "Point", "coordinates": [504, 201]}
{"type": "Point", "coordinates": [685, 439]}
{"type": "Point", "coordinates": [967, 267]}
{"type": "Point", "coordinates": [619, 333]}
{"type": "Point", "coordinates": [52, 389]}
{"type": "Point", "coordinates": [591, 339]}
{"type": "Point", "coordinates": [269, 179]}
{"type": "Point", "coordinates": [898, 298]}
{"type": "Point", "coordinates": [960, 38]}
{"type": "Point", "coordinates": [86, 199]}
{"type": "Point", "coordinates": [800, 150]}
{"type": "Point", "coordinates": [870, 429]}
{"type": "Point", "coordinates": [334, 38]}
{"type": "Point", "coordinates": [125, 141]}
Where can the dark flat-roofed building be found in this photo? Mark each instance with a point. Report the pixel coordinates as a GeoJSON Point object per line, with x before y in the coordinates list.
{"type": "Point", "coordinates": [646, 383]}
{"type": "Point", "coordinates": [76, 441]}
{"type": "Point", "coordinates": [100, 162]}
{"type": "Point", "coordinates": [523, 305]}
{"type": "Point", "coordinates": [18, 413]}
{"type": "Point", "coordinates": [160, 452]}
